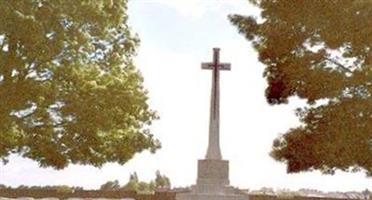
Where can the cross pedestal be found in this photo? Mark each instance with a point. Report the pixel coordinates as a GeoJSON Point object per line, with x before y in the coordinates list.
{"type": "Point", "coordinates": [213, 172]}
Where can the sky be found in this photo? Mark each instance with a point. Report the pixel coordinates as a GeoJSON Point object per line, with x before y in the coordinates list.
{"type": "Point", "coordinates": [176, 36]}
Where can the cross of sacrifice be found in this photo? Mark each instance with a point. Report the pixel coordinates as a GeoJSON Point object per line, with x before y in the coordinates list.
{"type": "Point", "coordinates": [214, 151]}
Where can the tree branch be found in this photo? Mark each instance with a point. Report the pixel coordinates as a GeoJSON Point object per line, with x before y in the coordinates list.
{"type": "Point", "coordinates": [338, 64]}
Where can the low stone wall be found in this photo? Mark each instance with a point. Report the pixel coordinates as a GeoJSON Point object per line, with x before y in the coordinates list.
{"type": "Point", "coordinates": [269, 197]}
{"type": "Point", "coordinates": [30, 194]}
{"type": "Point", "coordinates": [86, 194]}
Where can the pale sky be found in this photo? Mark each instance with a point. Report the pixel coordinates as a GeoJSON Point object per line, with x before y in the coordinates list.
{"type": "Point", "coordinates": [176, 36]}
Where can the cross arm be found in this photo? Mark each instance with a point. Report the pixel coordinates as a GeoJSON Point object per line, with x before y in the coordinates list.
{"type": "Point", "coordinates": [221, 66]}
{"type": "Point", "coordinates": [225, 66]}
{"type": "Point", "coordinates": [207, 65]}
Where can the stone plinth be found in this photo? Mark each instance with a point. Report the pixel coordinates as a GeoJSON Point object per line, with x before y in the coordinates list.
{"type": "Point", "coordinates": [213, 172]}
{"type": "Point", "coordinates": [212, 183]}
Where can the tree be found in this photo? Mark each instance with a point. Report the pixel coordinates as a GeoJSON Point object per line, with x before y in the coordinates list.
{"type": "Point", "coordinates": [23, 187]}
{"type": "Point", "coordinates": [63, 189]}
{"type": "Point", "coordinates": [319, 51]}
{"type": "Point", "coordinates": [146, 188]}
{"type": "Point", "coordinates": [110, 185]}
{"type": "Point", "coordinates": [132, 184]}
{"type": "Point", "coordinates": [161, 181]}
{"type": "Point", "coordinates": [69, 92]}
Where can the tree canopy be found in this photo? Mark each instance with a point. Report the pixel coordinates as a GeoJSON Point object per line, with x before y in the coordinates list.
{"type": "Point", "coordinates": [69, 92]}
{"type": "Point", "coordinates": [319, 51]}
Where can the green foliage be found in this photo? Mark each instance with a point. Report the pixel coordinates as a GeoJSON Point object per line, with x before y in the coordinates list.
{"type": "Point", "coordinates": [57, 188]}
{"type": "Point", "coordinates": [145, 188]}
{"type": "Point", "coordinates": [69, 92]}
{"type": "Point", "coordinates": [161, 181]}
{"type": "Point", "coordinates": [110, 185]}
{"type": "Point", "coordinates": [319, 51]}
{"type": "Point", "coordinates": [64, 189]}
{"type": "Point", "coordinates": [134, 184]}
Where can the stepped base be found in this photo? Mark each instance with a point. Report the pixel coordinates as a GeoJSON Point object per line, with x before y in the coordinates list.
{"type": "Point", "coordinates": [190, 196]}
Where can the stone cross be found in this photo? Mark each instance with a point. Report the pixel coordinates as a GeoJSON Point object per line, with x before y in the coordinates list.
{"type": "Point", "coordinates": [214, 151]}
